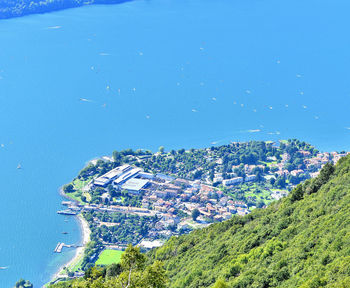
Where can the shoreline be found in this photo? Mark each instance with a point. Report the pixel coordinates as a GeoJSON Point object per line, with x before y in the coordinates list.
{"type": "Point", "coordinates": [79, 252]}
{"type": "Point", "coordinates": [10, 12]}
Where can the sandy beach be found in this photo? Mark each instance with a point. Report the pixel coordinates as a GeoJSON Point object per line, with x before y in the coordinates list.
{"type": "Point", "coordinates": [86, 238]}
{"type": "Point", "coordinates": [79, 253]}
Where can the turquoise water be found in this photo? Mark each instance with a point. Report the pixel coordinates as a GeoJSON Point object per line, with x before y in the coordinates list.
{"type": "Point", "coordinates": [179, 74]}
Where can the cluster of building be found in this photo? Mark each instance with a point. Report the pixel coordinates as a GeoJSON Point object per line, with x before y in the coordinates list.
{"type": "Point", "coordinates": [212, 205]}
{"type": "Point", "coordinates": [277, 195]}
{"type": "Point", "coordinates": [322, 159]}
{"type": "Point", "coordinates": [173, 199]}
{"type": "Point", "coordinates": [312, 166]}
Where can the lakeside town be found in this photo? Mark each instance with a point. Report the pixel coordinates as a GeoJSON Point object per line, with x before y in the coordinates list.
{"type": "Point", "coordinates": [133, 197]}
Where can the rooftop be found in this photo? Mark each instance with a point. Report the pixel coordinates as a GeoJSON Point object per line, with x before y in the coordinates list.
{"type": "Point", "coordinates": [135, 184]}
{"type": "Point", "coordinates": [109, 176]}
{"type": "Point", "coordinates": [130, 173]}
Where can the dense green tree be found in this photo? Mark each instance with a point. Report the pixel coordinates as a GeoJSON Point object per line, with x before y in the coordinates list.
{"type": "Point", "coordinates": [154, 276]}
{"type": "Point", "coordinates": [195, 214]}
{"type": "Point", "coordinates": [280, 182]}
{"type": "Point", "coordinates": [69, 188]}
{"type": "Point", "coordinates": [220, 284]}
{"type": "Point", "coordinates": [113, 270]}
{"type": "Point", "coordinates": [23, 284]}
{"type": "Point", "coordinates": [132, 259]}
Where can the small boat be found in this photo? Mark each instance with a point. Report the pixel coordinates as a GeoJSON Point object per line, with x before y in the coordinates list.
{"type": "Point", "coordinates": [64, 233]}
{"type": "Point", "coordinates": [54, 27]}
{"type": "Point", "coordinates": [3, 268]}
{"type": "Point", "coordinates": [19, 166]}
{"type": "Point", "coordinates": [67, 212]}
{"type": "Point", "coordinates": [84, 100]}
{"type": "Point", "coordinates": [65, 220]}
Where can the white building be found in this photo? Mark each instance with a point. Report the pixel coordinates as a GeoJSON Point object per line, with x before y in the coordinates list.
{"type": "Point", "coordinates": [126, 176]}
{"type": "Point", "coordinates": [233, 181]}
{"type": "Point", "coordinates": [134, 185]}
{"type": "Point", "coordinates": [150, 244]}
{"type": "Point", "coordinates": [107, 178]}
{"type": "Point", "coordinates": [250, 178]}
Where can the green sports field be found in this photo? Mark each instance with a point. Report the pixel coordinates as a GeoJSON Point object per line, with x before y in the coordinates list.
{"type": "Point", "coordinates": [108, 257]}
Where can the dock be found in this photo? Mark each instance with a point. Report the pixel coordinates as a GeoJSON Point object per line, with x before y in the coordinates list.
{"type": "Point", "coordinates": [60, 246]}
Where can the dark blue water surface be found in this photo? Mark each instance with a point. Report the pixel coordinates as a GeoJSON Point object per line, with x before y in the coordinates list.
{"type": "Point", "coordinates": [176, 73]}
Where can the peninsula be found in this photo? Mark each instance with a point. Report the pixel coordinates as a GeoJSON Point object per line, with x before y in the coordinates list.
{"type": "Point", "coordinates": [298, 241]}
{"type": "Point", "coordinates": [144, 198]}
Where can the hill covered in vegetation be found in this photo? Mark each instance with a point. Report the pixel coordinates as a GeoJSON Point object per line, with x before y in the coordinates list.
{"type": "Point", "coordinates": [300, 241]}
{"type": "Point", "coordinates": [16, 8]}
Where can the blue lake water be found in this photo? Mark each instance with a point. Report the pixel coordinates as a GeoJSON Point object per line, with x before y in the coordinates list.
{"type": "Point", "coordinates": [176, 73]}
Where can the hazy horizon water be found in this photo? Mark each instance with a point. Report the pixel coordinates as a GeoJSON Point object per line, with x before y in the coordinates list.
{"type": "Point", "coordinates": [80, 83]}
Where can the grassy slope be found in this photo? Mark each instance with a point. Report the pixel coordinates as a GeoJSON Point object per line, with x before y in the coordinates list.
{"type": "Point", "coordinates": [292, 243]}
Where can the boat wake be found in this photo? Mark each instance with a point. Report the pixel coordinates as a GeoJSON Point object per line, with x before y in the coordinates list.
{"type": "Point", "coordinates": [54, 27]}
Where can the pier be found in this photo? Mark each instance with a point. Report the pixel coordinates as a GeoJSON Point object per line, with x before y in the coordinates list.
{"type": "Point", "coordinates": [60, 246]}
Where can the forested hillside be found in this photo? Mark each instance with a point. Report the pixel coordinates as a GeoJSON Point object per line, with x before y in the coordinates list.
{"type": "Point", "coordinates": [15, 8]}
{"type": "Point", "coordinates": [300, 241]}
